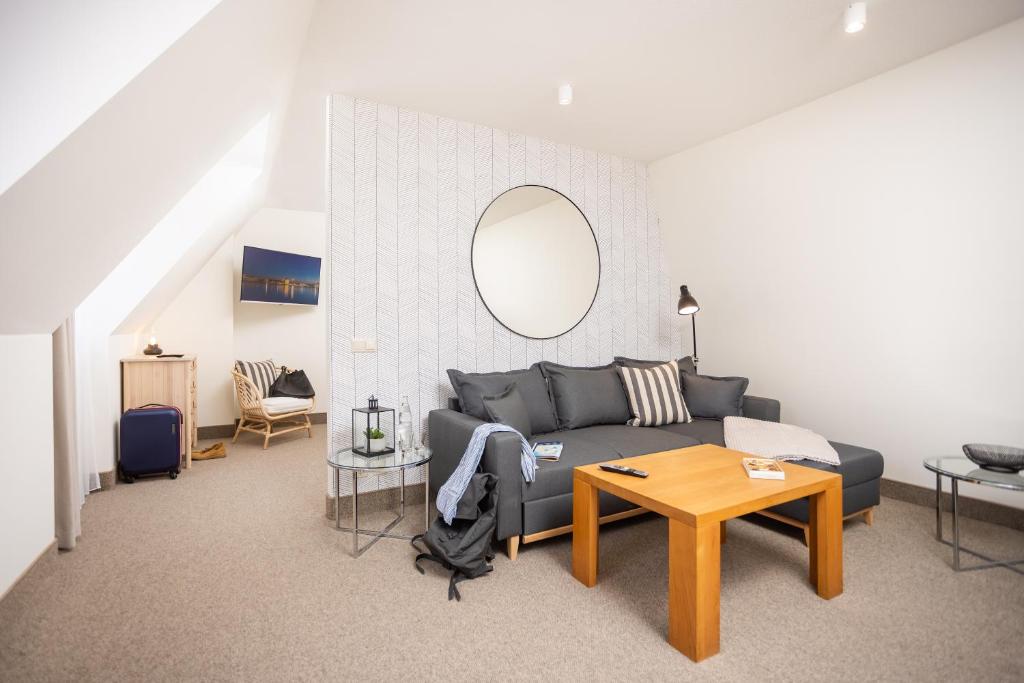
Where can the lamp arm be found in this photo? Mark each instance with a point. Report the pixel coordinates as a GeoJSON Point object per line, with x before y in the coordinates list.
{"type": "Point", "coordinates": [693, 326]}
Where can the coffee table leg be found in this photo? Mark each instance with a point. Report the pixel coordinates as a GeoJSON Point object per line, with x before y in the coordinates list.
{"type": "Point", "coordinates": [584, 532]}
{"type": "Point", "coordinates": [694, 582]}
{"type": "Point", "coordinates": [827, 542]}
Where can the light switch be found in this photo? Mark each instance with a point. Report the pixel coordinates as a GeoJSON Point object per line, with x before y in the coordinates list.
{"type": "Point", "coordinates": [364, 345]}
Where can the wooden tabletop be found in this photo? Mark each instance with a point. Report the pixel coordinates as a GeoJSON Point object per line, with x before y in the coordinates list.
{"type": "Point", "coordinates": [704, 484]}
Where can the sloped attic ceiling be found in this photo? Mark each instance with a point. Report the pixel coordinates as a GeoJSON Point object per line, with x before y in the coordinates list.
{"type": "Point", "coordinates": [69, 221]}
{"type": "Point", "coordinates": [84, 52]}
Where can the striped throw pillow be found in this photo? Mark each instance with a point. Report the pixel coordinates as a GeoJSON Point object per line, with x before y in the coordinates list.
{"type": "Point", "coordinates": [654, 395]}
{"type": "Point", "coordinates": [261, 373]}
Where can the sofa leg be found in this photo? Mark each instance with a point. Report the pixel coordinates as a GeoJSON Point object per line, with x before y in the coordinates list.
{"type": "Point", "coordinates": [869, 516]}
{"type": "Point", "coordinates": [512, 546]}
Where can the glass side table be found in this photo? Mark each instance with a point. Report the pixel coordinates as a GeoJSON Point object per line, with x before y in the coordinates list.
{"type": "Point", "coordinates": [347, 461]}
{"type": "Point", "coordinates": [962, 469]}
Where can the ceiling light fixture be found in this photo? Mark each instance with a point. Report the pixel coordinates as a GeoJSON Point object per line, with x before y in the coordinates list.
{"type": "Point", "coordinates": [565, 94]}
{"type": "Point", "coordinates": [855, 17]}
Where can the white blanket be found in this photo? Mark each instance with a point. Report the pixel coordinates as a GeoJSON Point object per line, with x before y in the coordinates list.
{"type": "Point", "coordinates": [777, 441]}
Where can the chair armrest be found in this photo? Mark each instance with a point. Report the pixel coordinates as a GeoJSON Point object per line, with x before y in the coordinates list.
{"type": "Point", "coordinates": [767, 409]}
{"type": "Point", "coordinates": [449, 434]}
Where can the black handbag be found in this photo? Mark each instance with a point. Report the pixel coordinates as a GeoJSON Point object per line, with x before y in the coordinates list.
{"type": "Point", "coordinates": [292, 383]}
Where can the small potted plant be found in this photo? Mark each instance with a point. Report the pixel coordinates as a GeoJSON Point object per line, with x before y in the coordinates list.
{"type": "Point", "coordinates": [375, 440]}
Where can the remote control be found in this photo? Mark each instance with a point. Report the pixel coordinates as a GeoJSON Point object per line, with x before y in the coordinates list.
{"type": "Point", "coordinates": [624, 470]}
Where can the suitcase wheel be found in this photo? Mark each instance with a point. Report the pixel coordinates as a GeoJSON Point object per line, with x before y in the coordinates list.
{"type": "Point", "coordinates": [173, 474]}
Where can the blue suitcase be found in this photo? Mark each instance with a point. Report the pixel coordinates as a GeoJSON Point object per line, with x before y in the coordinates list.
{"type": "Point", "coordinates": [150, 442]}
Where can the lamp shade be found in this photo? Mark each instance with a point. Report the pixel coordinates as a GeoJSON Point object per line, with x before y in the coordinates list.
{"type": "Point", "coordinates": [687, 304]}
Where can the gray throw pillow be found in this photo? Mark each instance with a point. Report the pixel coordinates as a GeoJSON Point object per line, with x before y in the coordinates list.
{"type": "Point", "coordinates": [685, 364]}
{"type": "Point", "coordinates": [509, 408]}
{"type": "Point", "coordinates": [471, 387]}
{"type": "Point", "coordinates": [714, 397]}
{"type": "Point", "coordinates": [587, 396]}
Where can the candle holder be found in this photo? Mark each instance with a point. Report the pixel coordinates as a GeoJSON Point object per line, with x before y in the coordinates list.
{"type": "Point", "coordinates": [373, 430]}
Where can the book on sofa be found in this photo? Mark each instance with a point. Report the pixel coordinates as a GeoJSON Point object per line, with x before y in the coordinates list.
{"type": "Point", "coordinates": [548, 450]}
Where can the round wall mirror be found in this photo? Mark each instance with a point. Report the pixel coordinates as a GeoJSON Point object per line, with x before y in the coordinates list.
{"type": "Point", "coordinates": [536, 261]}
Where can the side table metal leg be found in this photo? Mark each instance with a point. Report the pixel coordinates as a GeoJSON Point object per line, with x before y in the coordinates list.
{"type": "Point", "coordinates": [337, 498]}
{"type": "Point", "coordinates": [355, 514]}
{"type": "Point", "coordinates": [401, 495]}
{"type": "Point", "coordinates": [956, 527]}
{"type": "Point", "coordinates": [938, 506]}
{"type": "Point", "coordinates": [426, 497]}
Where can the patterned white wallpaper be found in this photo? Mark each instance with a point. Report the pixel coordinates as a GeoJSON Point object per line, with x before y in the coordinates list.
{"type": "Point", "coordinates": [405, 192]}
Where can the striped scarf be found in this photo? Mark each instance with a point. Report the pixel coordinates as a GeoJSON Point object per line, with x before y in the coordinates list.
{"type": "Point", "coordinates": [449, 495]}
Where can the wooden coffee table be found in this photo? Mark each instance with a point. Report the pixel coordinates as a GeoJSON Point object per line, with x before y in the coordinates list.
{"type": "Point", "coordinates": [698, 489]}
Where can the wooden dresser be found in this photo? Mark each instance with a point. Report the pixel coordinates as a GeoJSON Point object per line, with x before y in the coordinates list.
{"type": "Point", "coordinates": [167, 381]}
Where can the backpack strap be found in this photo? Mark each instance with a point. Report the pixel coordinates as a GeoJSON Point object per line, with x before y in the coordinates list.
{"type": "Point", "coordinates": [432, 558]}
{"type": "Point", "coordinates": [412, 542]}
{"type": "Point", "coordinates": [453, 592]}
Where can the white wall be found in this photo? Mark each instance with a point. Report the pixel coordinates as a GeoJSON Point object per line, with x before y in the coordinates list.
{"type": "Point", "coordinates": [200, 321]}
{"type": "Point", "coordinates": [84, 53]}
{"type": "Point", "coordinates": [207, 319]}
{"type": "Point", "coordinates": [859, 257]}
{"type": "Point", "coordinates": [26, 460]}
{"type": "Point", "coordinates": [295, 336]}
{"type": "Point", "coordinates": [123, 169]}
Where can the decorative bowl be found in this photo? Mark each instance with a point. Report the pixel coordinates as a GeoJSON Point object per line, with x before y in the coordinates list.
{"type": "Point", "coordinates": [996, 458]}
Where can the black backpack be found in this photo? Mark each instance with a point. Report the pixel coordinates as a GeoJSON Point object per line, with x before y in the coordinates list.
{"type": "Point", "coordinates": [464, 546]}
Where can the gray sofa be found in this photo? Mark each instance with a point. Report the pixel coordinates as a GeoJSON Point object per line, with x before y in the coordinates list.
{"type": "Point", "coordinates": [543, 508]}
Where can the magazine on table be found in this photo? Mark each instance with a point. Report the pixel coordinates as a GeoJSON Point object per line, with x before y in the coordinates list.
{"type": "Point", "coordinates": [548, 450]}
{"type": "Point", "coordinates": [763, 468]}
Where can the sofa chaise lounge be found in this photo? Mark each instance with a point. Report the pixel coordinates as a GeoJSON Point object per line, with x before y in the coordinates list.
{"type": "Point", "coordinates": [542, 509]}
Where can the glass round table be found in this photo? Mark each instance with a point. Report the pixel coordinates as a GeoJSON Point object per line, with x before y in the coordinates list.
{"type": "Point", "coordinates": [358, 465]}
{"type": "Point", "coordinates": [961, 469]}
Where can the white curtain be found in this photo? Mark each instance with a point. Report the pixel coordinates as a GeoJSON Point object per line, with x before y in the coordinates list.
{"type": "Point", "coordinates": [74, 445]}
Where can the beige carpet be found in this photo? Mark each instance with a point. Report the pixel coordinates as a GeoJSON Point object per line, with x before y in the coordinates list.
{"type": "Point", "coordinates": [233, 573]}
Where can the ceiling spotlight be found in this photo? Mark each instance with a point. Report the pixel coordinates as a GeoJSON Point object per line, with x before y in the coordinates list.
{"type": "Point", "coordinates": [565, 94]}
{"type": "Point", "coordinates": [855, 17]}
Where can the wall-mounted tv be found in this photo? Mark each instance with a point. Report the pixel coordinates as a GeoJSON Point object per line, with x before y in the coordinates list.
{"type": "Point", "coordinates": [277, 277]}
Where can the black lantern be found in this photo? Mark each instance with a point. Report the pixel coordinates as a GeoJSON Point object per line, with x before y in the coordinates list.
{"type": "Point", "coordinates": [373, 430]}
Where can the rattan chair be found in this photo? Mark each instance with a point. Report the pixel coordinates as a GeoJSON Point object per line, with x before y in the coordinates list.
{"type": "Point", "coordinates": [257, 420]}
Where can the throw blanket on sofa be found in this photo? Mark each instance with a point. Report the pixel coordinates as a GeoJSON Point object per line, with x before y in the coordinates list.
{"type": "Point", "coordinates": [777, 441]}
{"type": "Point", "coordinates": [449, 495]}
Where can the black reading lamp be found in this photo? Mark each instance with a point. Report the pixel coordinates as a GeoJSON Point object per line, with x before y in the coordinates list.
{"type": "Point", "coordinates": [689, 306]}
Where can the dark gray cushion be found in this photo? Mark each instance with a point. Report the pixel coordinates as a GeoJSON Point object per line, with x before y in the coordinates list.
{"type": "Point", "coordinates": [714, 397]}
{"type": "Point", "coordinates": [554, 478]}
{"type": "Point", "coordinates": [862, 475]}
{"type": "Point", "coordinates": [586, 396]}
{"type": "Point", "coordinates": [855, 498]}
{"type": "Point", "coordinates": [508, 408]}
{"type": "Point", "coordinates": [701, 429]}
{"type": "Point", "coordinates": [471, 387]}
{"type": "Point", "coordinates": [555, 511]}
{"type": "Point", "coordinates": [628, 441]}
{"type": "Point", "coordinates": [856, 464]}
{"type": "Point", "coordinates": [686, 365]}
{"type": "Point", "coordinates": [595, 444]}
